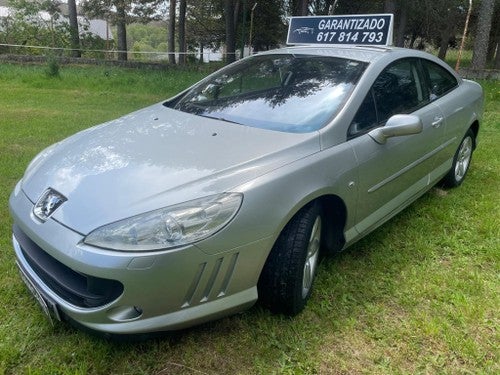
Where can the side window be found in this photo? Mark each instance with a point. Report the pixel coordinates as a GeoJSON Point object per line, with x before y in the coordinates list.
{"type": "Point", "coordinates": [440, 80]}
{"type": "Point", "coordinates": [397, 90]}
{"type": "Point", "coordinates": [365, 118]}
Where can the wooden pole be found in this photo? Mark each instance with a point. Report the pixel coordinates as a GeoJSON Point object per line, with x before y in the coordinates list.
{"type": "Point", "coordinates": [457, 66]}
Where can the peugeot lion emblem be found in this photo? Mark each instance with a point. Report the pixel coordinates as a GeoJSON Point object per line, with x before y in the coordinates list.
{"type": "Point", "coordinates": [48, 203]}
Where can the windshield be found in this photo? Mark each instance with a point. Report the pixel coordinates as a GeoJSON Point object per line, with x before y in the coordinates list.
{"type": "Point", "coordinates": [290, 93]}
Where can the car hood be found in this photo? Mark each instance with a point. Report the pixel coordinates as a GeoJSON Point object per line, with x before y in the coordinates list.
{"type": "Point", "coordinates": [154, 158]}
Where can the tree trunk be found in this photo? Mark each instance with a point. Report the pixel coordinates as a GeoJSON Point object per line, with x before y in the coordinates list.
{"type": "Point", "coordinates": [171, 33]}
{"type": "Point", "coordinates": [230, 31]}
{"type": "Point", "coordinates": [497, 58]}
{"type": "Point", "coordinates": [236, 12]}
{"type": "Point", "coordinates": [482, 34]}
{"type": "Point", "coordinates": [493, 45]}
{"type": "Point", "coordinates": [443, 46]}
{"type": "Point", "coordinates": [390, 6]}
{"type": "Point", "coordinates": [300, 7]}
{"type": "Point", "coordinates": [446, 34]}
{"type": "Point", "coordinates": [73, 29]}
{"type": "Point", "coordinates": [304, 7]}
{"type": "Point", "coordinates": [182, 32]}
{"type": "Point", "coordinates": [403, 18]}
{"type": "Point", "coordinates": [121, 32]}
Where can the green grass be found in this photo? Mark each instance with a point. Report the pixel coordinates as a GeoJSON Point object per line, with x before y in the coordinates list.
{"type": "Point", "coordinates": [418, 295]}
{"type": "Point", "coordinates": [452, 57]}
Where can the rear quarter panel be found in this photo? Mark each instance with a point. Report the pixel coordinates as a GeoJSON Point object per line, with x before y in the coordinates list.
{"type": "Point", "coordinates": [461, 108]}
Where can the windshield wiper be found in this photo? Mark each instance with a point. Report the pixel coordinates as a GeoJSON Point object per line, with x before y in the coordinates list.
{"type": "Point", "coordinates": [220, 118]}
{"type": "Point", "coordinates": [189, 107]}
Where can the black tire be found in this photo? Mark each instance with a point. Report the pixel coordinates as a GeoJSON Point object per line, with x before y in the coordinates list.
{"type": "Point", "coordinates": [286, 281]}
{"type": "Point", "coordinates": [461, 161]}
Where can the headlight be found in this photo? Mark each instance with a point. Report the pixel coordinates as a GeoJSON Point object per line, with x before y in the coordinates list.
{"type": "Point", "coordinates": [169, 227]}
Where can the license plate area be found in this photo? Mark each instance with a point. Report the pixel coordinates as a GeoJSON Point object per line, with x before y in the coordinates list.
{"type": "Point", "coordinates": [48, 306]}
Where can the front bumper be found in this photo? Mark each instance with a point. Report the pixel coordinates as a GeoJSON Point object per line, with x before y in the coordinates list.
{"type": "Point", "coordinates": [150, 292]}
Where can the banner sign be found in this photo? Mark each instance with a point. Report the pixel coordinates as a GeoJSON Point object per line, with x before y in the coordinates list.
{"type": "Point", "coordinates": [372, 30]}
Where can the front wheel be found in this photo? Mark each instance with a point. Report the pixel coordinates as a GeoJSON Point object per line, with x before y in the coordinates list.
{"type": "Point", "coordinates": [286, 281]}
{"type": "Point", "coordinates": [461, 161]}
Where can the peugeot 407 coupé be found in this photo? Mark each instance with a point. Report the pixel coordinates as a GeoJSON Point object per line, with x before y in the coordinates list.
{"type": "Point", "coordinates": [196, 207]}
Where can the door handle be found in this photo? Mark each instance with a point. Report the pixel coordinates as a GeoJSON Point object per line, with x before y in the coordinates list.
{"type": "Point", "coordinates": [438, 120]}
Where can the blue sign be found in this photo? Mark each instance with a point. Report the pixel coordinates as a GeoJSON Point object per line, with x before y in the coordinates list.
{"type": "Point", "coordinates": [373, 30]}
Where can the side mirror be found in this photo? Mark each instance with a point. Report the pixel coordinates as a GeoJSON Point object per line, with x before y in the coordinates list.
{"type": "Point", "coordinates": [396, 126]}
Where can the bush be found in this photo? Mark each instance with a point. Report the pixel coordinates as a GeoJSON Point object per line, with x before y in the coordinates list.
{"type": "Point", "coordinates": [52, 69]}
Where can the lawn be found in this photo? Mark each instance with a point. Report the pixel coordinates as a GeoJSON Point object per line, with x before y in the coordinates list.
{"type": "Point", "coordinates": [419, 295]}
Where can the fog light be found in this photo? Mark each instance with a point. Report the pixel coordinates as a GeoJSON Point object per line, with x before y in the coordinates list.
{"type": "Point", "coordinates": [124, 313]}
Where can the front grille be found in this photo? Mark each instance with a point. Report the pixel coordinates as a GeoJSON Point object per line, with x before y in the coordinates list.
{"type": "Point", "coordinates": [74, 287]}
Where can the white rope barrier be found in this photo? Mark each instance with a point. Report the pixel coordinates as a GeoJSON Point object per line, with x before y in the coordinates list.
{"type": "Point", "coordinates": [163, 53]}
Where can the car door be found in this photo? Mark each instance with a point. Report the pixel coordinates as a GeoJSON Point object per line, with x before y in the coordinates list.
{"type": "Point", "coordinates": [443, 92]}
{"type": "Point", "coordinates": [393, 174]}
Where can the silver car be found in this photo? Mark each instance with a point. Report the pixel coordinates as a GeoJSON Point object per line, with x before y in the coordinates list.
{"type": "Point", "coordinates": [230, 192]}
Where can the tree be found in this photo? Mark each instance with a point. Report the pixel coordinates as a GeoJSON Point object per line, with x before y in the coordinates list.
{"type": "Point", "coordinates": [73, 27]}
{"type": "Point", "coordinates": [322, 7]}
{"type": "Point", "coordinates": [400, 12]}
{"type": "Point", "coordinates": [268, 27]}
{"type": "Point", "coordinates": [121, 29]}
{"type": "Point", "coordinates": [482, 34]}
{"type": "Point", "coordinates": [432, 21]}
{"type": "Point", "coordinates": [299, 7]}
{"type": "Point", "coordinates": [449, 12]}
{"type": "Point", "coordinates": [121, 13]}
{"type": "Point", "coordinates": [399, 37]}
{"type": "Point", "coordinates": [229, 15]}
{"type": "Point", "coordinates": [27, 26]}
{"type": "Point", "coordinates": [182, 32]}
{"type": "Point", "coordinates": [494, 33]}
{"type": "Point", "coordinates": [494, 40]}
{"type": "Point", "coordinates": [359, 6]}
{"type": "Point", "coordinates": [116, 12]}
{"type": "Point", "coordinates": [171, 32]}
{"type": "Point", "coordinates": [203, 24]}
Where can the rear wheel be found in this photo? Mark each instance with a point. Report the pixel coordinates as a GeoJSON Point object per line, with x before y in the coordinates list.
{"type": "Point", "coordinates": [286, 281]}
{"type": "Point", "coordinates": [461, 161]}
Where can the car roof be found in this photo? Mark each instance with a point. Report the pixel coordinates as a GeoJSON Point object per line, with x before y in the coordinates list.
{"type": "Point", "coordinates": [361, 53]}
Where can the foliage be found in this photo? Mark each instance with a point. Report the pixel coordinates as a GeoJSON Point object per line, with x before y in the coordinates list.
{"type": "Point", "coordinates": [431, 24]}
{"type": "Point", "coordinates": [419, 295]}
{"type": "Point", "coordinates": [27, 26]}
{"type": "Point", "coordinates": [150, 34]}
{"type": "Point", "coordinates": [52, 67]}
{"type": "Point", "coordinates": [204, 26]}
{"type": "Point", "coordinates": [269, 31]}
{"type": "Point", "coordinates": [121, 13]}
{"type": "Point", "coordinates": [93, 45]}
{"type": "Point", "coordinates": [146, 38]}
{"type": "Point", "coordinates": [136, 11]}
